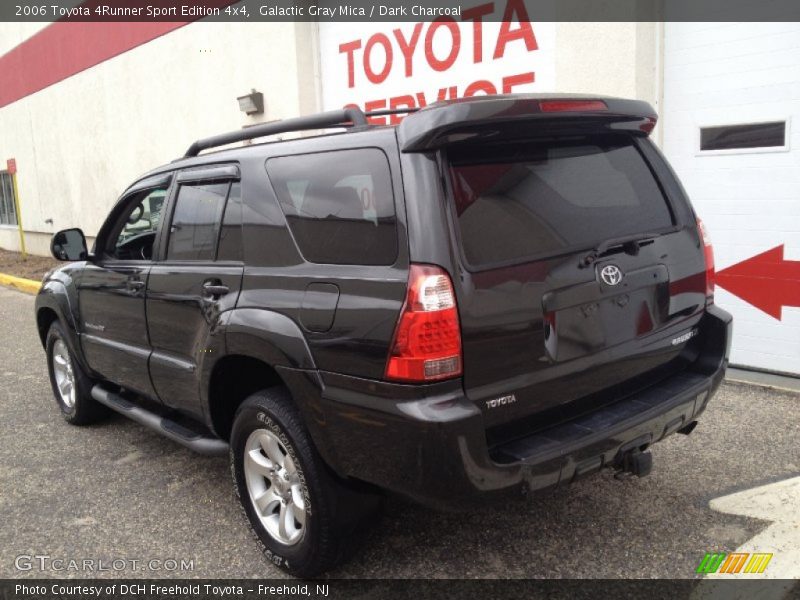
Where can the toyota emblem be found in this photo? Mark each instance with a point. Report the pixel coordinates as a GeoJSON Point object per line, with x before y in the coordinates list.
{"type": "Point", "coordinates": [610, 274]}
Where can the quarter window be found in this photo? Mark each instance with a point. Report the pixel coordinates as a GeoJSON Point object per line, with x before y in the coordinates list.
{"type": "Point", "coordinates": [339, 205]}
{"type": "Point", "coordinates": [196, 221]}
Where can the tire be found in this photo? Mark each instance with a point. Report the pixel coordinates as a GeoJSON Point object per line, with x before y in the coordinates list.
{"type": "Point", "coordinates": [320, 514]}
{"type": "Point", "coordinates": [72, 387]}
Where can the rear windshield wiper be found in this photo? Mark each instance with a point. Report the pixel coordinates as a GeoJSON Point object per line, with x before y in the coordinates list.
{"type": "Point", "coordinates": [629, 244]}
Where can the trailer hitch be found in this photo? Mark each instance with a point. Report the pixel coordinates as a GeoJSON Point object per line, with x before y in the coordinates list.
{"type": "Point", "coordinates": [634, 462]}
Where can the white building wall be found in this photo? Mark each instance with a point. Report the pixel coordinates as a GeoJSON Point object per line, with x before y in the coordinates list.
{"type": "Point", "coordinates": [616, 59]}
{"type": "Point", "coordinates": [80, 142]}
{"type": "Point", "coordinates": [749, 199]}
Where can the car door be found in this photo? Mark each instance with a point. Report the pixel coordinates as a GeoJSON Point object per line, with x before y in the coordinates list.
{"type": "Point", "coordinates": [196, 279]}
{"type": "Point", "coordinates": [111, 289]}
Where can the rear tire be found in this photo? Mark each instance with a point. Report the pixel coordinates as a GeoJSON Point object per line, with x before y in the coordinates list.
{"type": "Point", "coordinates": [303, 517]}
{"type": "Point", "coordinates": [72, 387]}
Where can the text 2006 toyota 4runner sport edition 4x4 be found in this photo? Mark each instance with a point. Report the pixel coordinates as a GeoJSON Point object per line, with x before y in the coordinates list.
{"type": "Point", "coordinates": [499, 293]}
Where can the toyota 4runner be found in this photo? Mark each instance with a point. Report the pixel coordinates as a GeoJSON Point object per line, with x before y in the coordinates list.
{"type": "Point", "coordinates": [499, 293]}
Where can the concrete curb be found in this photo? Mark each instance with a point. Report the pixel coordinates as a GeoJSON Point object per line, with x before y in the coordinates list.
{"type": "Point", "coordinates": [770, 381]}
{"type": "Point", "coordinates": [766, 386]}
{"type": "Point", "coordinates": [29, 286]}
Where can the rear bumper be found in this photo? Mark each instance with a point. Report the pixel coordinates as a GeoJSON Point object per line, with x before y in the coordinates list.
{"type": "Point", "coordinates": [429, 443]}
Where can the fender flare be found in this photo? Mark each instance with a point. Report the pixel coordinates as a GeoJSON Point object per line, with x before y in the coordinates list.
{"type": "Point", "coordinates": [268, 336]}
{"type": "Point", "coordinates": [55, 295]}
{"type": "Point", "coordinates": [276, 340]}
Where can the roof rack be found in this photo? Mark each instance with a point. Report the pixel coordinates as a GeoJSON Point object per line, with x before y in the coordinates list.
{"type": "Point", "coordinates": [347, 117]}
{"type": "Point", "coordinates": [391, 111]}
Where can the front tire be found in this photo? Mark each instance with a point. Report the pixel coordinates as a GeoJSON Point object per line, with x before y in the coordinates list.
{"type": "Point", "coordinates": [299, 512]}
{"type": "Point", "coordinates": [72, 388]}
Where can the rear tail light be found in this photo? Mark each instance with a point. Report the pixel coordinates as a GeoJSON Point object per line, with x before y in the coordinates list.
{"type": "Point", "coordinates": [708, 252]}
{"type": "Point", "coordinates": [427, 339]}
{"type": "Point", "coordinates": [572, 105]}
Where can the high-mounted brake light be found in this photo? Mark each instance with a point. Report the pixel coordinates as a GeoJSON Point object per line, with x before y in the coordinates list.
{"type": "Point", "coordinates": [427, 339]}
{"type": "Point", "coordinates": [708, 253]}
{"type": "Point", "coordinates": [572, 105]}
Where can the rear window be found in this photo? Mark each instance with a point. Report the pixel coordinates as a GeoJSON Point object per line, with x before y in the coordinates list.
{"type": "Point", "coordinates": [339, 205]}
{"type": "Point", "coordinates": [524, 201]}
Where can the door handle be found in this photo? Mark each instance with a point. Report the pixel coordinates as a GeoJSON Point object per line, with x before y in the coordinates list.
{"type": "Point", "coordinates": [135, 285]}
{"type": "Point", "coordinates": [215, 289]}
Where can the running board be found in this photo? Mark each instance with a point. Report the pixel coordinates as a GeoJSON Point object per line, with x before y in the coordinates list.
{"type": "Point", "coordinates": [200, 443]}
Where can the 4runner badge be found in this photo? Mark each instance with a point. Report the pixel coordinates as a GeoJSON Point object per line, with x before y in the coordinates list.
{"type": "Point", "coordinates": [501, 401]}
{"type": "Point", "coordinates": [611, 275]}
{"type": "Point", "coordinates": [685, 337]}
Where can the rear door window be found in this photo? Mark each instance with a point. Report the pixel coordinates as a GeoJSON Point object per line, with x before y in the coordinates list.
{"type": "Point", "coordinates": [230, 237]}
{"type": "Point", "coordinates": [339, 205]}
{"type": "Point", "coordinates": [518, 202]}
{"type": "Point", "coordinates": [196, 221]}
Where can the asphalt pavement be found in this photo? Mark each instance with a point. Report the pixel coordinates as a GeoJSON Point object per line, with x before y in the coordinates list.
{"type": "Point", "coordinates": [117, 491]}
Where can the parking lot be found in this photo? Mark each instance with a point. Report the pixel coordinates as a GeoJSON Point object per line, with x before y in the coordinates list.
{"type": "Point", "coordinates": [119, 491]}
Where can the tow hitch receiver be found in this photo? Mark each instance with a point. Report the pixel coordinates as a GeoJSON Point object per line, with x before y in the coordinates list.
{"type": "Point", "coordinates": [635, 462]}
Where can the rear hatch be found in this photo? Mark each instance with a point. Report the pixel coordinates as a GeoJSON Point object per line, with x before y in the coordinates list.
{"type": "Point", "coordinates": [583, 275]}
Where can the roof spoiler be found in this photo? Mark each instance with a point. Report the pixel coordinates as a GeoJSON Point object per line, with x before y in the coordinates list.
{"type": "Point", "coordinates": [519, 116]}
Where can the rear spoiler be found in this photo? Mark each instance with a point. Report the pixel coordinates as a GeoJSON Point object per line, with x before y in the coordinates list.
{"type": "Point", "coordinates": [519, 116]}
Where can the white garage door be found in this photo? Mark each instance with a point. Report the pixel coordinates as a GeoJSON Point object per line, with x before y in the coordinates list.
{"type": "Point", "coordinates": [731, 118]}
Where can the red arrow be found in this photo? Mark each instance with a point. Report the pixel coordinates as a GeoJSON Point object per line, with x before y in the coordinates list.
{"type": "Point", "coordinates": [766, 281]}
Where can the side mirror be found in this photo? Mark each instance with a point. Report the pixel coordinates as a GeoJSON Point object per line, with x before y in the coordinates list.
{"type": "Point", "coordinates": [69, 245]}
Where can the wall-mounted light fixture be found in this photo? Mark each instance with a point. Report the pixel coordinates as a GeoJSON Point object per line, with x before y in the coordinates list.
{"type": "Point", "coordinates": [252, 104]}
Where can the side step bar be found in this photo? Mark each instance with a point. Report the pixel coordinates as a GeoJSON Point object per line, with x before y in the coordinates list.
{"type": "Point", "coordinates": [200, 443]}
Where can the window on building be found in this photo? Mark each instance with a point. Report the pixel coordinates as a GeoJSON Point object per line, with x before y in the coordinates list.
{"type": "Point", "coordinates": [339, 205]}
{"type": "Point", "coordinates": [196, 221]}
{"type": "Point", "coordinates": [752, 135]}
{"type": "Point", "coordinates": [8, 208]}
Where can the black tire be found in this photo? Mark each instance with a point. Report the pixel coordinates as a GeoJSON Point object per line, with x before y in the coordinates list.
{"type": "Point", "coordinates": [84, 409]}
{"type": "Point", "coordinates": [336, 512]}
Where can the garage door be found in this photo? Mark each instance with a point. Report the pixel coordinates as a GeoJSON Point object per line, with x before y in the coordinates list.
{"type": "Point", "coordinates": [731, 119]}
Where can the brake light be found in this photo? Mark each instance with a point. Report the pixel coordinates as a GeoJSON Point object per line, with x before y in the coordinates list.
{"type": "Point", "coordinates": [427, 339]}
{"type": "Point", "coordinates": [648, 125]}
{"type": "Point", "coordinates": [572, 105]}
{"type": "Point", "coordinates": [708, 253]}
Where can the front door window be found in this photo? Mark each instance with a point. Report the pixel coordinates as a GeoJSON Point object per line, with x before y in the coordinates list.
{"type": "Point", "coordinates": [138, 227]}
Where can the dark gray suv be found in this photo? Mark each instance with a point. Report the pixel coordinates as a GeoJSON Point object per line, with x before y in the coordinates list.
{"type": "Point", "coordinates": [500, 293]}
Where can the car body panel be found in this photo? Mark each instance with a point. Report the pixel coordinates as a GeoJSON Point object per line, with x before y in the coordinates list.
{"type": "Point", "coordinates": [182, 319]}
{"type": "Point", "coordinates": [113, 323]}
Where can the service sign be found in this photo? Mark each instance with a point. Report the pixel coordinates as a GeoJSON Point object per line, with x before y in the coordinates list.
{"type": "Point", "coordinates": [380, 66]}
